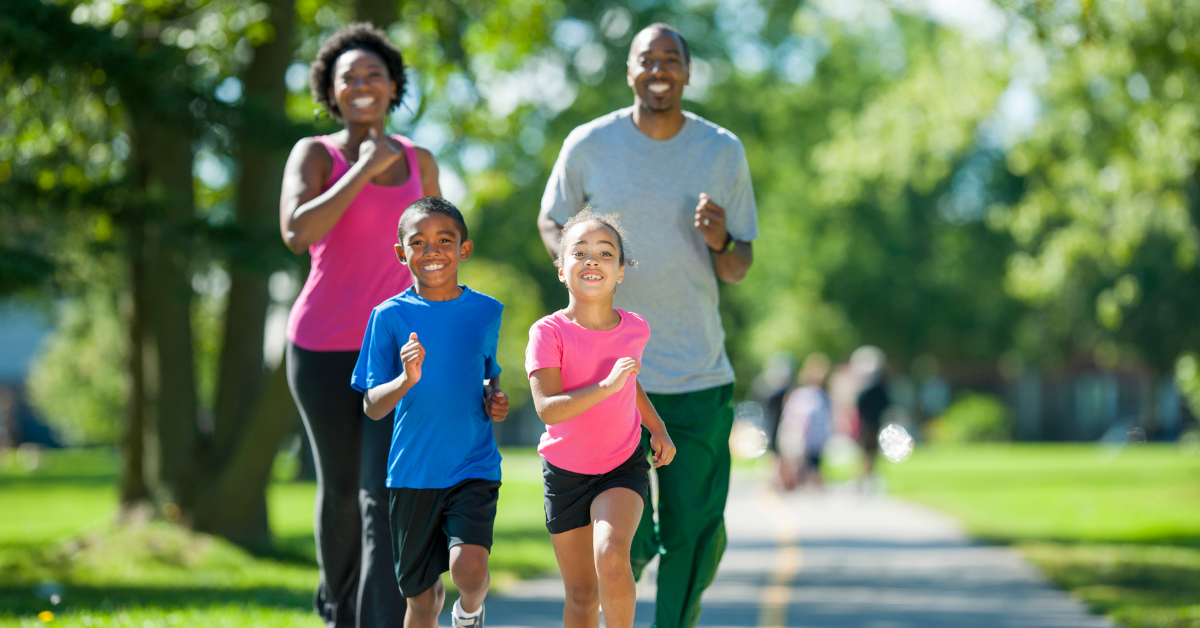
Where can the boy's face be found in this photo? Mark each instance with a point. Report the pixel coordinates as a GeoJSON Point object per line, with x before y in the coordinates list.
{"type": "Point", "coordinates": [591, 265]}
{"type": "Point", "coordinates": [432, 250]}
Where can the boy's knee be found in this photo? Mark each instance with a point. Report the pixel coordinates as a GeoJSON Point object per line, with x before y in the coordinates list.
{"type": "Point", "coordinates": [469, 566]}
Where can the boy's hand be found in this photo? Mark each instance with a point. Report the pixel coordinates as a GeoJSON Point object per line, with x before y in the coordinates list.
{"type": "Point", "coordinates": [664, 449]}
{"type": "Point", "coordinates": [378, 152]}
{"type": "Point", "coordinates": [412, 354]}
{"type": "Point", "coordinates": [496, 405]}
{"type": "Point", "coordinates": [621, 371]}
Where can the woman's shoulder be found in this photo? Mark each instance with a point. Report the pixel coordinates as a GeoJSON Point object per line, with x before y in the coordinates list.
{"type": "Point", "coordinates": [314, 150]}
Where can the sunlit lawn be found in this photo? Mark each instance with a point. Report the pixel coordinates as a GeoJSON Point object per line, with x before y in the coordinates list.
{"type": "Point", "coordinates": [57, 539]}
{"type": "Point", "coordinates": [1120, 528]}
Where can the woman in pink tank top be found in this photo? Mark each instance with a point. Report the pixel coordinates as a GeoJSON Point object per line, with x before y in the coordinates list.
{"type": "Point", "coordinates": [341, 202]}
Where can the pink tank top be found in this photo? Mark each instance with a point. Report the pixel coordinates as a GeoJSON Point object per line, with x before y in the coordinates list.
{"type": "Point", "coordinates": [354, 267]}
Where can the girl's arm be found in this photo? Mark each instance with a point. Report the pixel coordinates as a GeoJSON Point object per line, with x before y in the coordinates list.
{"type": "Point", "coordinates": [554, 405]}
{"type": "Point", "coordinates": [305, 213]}
{"type": "Point", "coordinates": [660, 441]}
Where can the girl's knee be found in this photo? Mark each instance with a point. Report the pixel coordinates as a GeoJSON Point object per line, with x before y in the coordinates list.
{"type": "Point", "coordinates": [583, 598]}
{"type": "Point", "coordinates": [612, 559]}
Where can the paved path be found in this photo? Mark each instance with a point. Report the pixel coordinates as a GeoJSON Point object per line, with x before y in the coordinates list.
{"type": "Point", "coordinates": [842, 560]}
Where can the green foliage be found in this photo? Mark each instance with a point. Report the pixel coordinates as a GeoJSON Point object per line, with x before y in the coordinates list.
{"type": "Point", "coordinates": [522, 301]}
{"type": "Point", "coordinates": [973, 418]}
{"type": "Point", "coordinates": [77, 383]}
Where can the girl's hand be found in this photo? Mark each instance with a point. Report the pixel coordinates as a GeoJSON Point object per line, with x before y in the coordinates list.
{"type": "Point", "coordinates": [496, 405]}
{"type": "Point", "coordinates": [412, 354]}
{"type": "Point", "coordinates": [664, 448]}
{"type": "Point", "coordinates": [621, 371]}
{"type": "Point", "coordinates": [378, 152]}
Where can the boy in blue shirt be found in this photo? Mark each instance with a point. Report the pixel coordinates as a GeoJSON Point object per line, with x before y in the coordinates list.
{"type": "Point", "coordinates": [430, 353]}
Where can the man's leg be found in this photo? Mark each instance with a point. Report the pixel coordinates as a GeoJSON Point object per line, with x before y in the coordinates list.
{"type": "Point", "coordinates": [691, 503]}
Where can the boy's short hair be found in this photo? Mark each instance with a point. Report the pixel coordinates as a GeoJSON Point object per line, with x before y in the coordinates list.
{"type": "Point", "coordinates": [612, 221]}
{"type": "Point", "coordinates": [431, 205]}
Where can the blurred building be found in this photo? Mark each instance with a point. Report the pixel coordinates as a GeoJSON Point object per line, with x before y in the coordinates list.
{"type": "Point", "coordinates": [22, 330]}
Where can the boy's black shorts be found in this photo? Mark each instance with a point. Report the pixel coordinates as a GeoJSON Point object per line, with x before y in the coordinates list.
{"type": "Point", "coordinates": [569, 495]}
{"type": "Point", "coordinates": [427, 522]}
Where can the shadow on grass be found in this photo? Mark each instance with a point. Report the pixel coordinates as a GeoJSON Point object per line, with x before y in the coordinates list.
{"type": "Point", "coordinates": [22, 600]}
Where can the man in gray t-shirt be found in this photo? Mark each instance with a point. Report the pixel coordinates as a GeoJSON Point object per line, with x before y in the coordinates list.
{"type": "Point", "coordinates": [682, 187]}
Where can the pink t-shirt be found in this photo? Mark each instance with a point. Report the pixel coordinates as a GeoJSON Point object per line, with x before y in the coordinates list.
{"type": "Point", "coordinates": [606, 434]}
{"type": "Point", "coordinates": [354, 267]}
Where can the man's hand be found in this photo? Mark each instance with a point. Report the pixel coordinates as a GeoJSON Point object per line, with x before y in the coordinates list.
{"type": "Point", "coordinates": [710, 222]}
{"type": "Point", "coordinates": [621, 371]}
{"type": "Point", "coordinates": [496, 405]}
{"type": "Point", "coordinates": [412, 354]}
{"type": "Point", "coordinates": [664, 448]}
{"type": "Point", "coordinates": [378, 152]}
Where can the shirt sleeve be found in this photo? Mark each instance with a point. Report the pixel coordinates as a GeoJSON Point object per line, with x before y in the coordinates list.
{"type": "Point", "coordinates": [379, 359]}
{"type": "Point", "coordinates": [544, 349]}
{"type": "Point", "coordinates": [491, 368]}
{"type": "Point", "coordinates": [564, 195]}
{"type": "Point", "coordinates": [741, 213]}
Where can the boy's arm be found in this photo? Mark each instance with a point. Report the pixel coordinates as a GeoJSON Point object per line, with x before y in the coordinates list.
{"type": "Point", "coordinates": [660, 441]}
{"type": "Point", "coordinates": [382, 399]}
{"type": "Point", "coordinates": [554, 405]}
{"type": "Point", "coordinates": [495, 402]}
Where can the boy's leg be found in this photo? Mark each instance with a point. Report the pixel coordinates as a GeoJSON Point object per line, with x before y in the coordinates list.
{"type": "Point", "coordinates": [419, 551]}
{"type": "Point", "coordinates": [615, 516]}
{"type": "Point", "coordinates": [573, 549]}
{"type": "Point", "coordinates": [423, 609]}
{"type": "Point", "coordinates": [330, 410]}
{"type": "Point", "coordinates": [470, 515]}
{"type": "Point", "coordinates": [692, 494]}
{"type": "Point", "coordinates": [380, 604]}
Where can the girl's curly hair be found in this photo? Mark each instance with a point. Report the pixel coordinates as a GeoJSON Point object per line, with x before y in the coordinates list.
{"type": "Point", "coordinates": [354, 36]}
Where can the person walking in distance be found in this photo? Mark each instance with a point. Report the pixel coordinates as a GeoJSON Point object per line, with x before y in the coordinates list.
{"type": "Point", "coordinates": [682, 187]}
{"type": "Point", "coordinates": [342, 198]}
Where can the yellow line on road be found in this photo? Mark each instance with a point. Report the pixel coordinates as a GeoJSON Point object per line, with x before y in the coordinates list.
{"type": "Point", "coordinates": [773, 604]}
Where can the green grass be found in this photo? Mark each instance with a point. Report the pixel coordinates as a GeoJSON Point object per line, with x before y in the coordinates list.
{"type": "Point", "coordinates": [1120, 528]}
{"type": "Point", "coordinates": [57, 538]}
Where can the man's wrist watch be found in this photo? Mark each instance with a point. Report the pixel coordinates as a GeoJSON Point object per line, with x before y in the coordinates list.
{"type": "Point", "coordinates": [727, 247]}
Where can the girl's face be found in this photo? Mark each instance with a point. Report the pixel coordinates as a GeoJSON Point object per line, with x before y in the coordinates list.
{"type": "Point", "coordinates": [361, 87]}
{"type": "Point", "coordinates": [591, 265]}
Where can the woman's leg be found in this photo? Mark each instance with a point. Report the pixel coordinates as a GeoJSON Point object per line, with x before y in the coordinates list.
{"type": "Point", "coordinates": [331, 411]}
{"type": "Point", "coordinates": [380, 604]}
{"type": "Point", "coordinates": [424, 608]}
{"type": "Point", "coordinates": [573, 549]}
{"type": "Point", "coordinates": [615, 516]}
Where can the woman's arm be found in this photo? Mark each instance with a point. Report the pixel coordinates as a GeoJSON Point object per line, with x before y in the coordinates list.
{"type": "Point", "coordinates": [429, 172]}
{"type": "Point", "coordinates": [660, 441]}
{"type": "Point", "coordinates": [305, 213]}
{"type": "Point", "coordinates": [554, 405]}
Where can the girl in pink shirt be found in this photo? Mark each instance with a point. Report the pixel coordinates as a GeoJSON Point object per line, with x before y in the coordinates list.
{"type": "Point", "coordinates": [583, 364]}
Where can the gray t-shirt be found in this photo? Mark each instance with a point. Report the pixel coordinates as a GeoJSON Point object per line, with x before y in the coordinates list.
{"type": "Point", "coordinates": [655, 186]}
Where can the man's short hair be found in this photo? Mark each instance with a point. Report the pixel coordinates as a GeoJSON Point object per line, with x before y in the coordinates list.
{"type": "Point", "coordinates": [431, 205]}
{"type": "Point", "coordinates": [666, 28]}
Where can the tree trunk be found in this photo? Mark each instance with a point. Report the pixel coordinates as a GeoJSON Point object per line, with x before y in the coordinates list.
{"type": "Point", "coordinates": [168, 373]}
{"type": "Point", "coordinates": [251, 417]}
{"type": "Point", "coordinates": [133, 483]}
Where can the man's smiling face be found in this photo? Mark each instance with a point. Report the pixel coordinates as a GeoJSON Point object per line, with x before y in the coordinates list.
{"type": "Point", "coordinates": [658, 70]}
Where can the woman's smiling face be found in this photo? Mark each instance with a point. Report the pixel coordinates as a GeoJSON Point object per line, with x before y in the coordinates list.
{"type": "Point", "coordinates": [361, 87]}
{"type": "Point", "coordinates": [591, 260]}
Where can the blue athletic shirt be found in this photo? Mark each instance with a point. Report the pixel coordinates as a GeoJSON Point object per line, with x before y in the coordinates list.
{"type": "Point", "coordinates": [441, 434]}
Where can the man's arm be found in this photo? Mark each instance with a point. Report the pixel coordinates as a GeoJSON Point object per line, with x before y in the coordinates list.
{"type": "Point", "coordinates": [551, 232]}
{"type": "Point", "coordinates": [731, 265]}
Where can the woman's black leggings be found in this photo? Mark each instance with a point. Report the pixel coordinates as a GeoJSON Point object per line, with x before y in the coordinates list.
{"type": "Point", "coordinates": [354, 550]}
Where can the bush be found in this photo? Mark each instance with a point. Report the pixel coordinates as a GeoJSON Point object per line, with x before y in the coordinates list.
{"type": "Point", "coordinates": [974, 418]}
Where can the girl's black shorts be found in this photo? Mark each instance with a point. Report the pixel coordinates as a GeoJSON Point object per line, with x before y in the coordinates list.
{"type": "Point", "coordinates": [569, 495]}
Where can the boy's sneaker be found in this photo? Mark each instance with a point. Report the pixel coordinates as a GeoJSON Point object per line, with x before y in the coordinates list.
{"type": "Point", "coordinates": [466, 622]}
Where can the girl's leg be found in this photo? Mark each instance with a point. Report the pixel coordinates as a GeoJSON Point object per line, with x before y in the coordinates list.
{"type": "Point", "coordinates": [573, 549]}
{"type": "Point", "coordinates": [615, 516]}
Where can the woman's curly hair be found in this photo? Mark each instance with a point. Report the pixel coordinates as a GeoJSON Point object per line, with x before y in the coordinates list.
{"type": "Point", "coordinates": [354, 36]}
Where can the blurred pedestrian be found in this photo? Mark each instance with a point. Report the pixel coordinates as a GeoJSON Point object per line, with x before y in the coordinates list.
{"type": "Point", "coordinates": [806, 423]}
{"type": "Point", "coordinates": [341, 202]}
{"type": "Point", "coordinates": [769, 390]}
{"type": "Point", "coordinates": [870, 364]}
